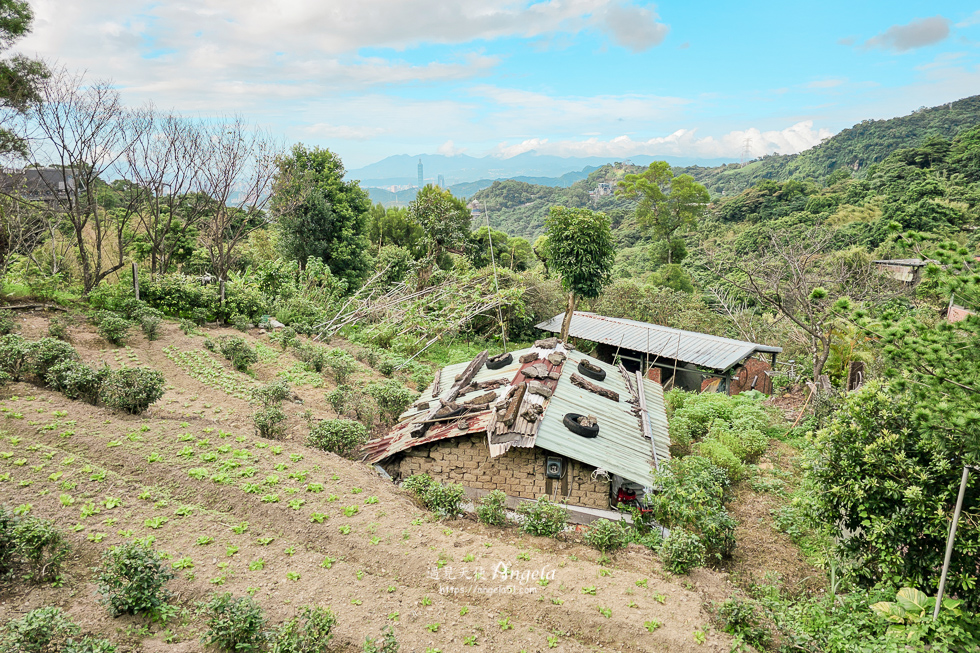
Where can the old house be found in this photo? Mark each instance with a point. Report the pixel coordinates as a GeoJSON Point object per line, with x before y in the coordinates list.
{"type": "Point", "coordinates": [677, 358]}
{"type": "Point", "coordinates": [504, 425]}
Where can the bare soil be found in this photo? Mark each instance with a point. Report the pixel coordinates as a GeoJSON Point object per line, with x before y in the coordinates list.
{"type": "Point", "coordinates": [295, 526]}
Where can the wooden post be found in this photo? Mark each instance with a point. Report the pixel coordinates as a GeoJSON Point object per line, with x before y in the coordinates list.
{"type": "Point", "coordinates": [136, 282]}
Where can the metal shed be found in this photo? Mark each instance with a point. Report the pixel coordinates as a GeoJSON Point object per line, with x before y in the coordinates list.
{"type": "Point", "coordinates": [653, 345]}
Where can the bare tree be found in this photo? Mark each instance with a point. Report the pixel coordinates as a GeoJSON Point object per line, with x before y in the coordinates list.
{"type": "Point", "coordinates": [83, 130]}
{"type": "Point", "coordinates": [802, 277]}
{"type": "Point", "coordinates": [165, 161]}
{"type": "Point", "coordinates": [238, 175]}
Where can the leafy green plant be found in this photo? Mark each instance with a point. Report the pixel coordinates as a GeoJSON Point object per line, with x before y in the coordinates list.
{"type": "Point", "coordinates": [132, 580]}
{"type": "Point", "coordinates": [493, 509]}
{"type": "Point", "coordinates": [340, 436]}
{"type": "Point", "coordinates": [131, 389]}
{"type": "Point", "coordinates": [46, 353]}
{"type": "Point", "coordinates": [44, 630]}
{"type": "Point", "coordinates": [391, 397]}
{"type": "Point", "coordinates": [237, 350]}
{"type": "Point", "coordinates": [150, 324]}
{"type": "Point", "coordinates": [309, 632]}
{"type": "Point", "coordinates": [41, 547]}
{"type": "Point", "coordinates": [234, 625]}
{"type": "Point", "coordinates": [113, 328]}
{"type": "Point", "coordinates": [606, 535]}
{"type": "Point", "coordinates": [682, 551]}
{"type": "Point", "coordinates": [270, 422]}
{"type": "Point", "coordinates": [542, 517]}
{"type": "Point", "coordinates": [386, 643]}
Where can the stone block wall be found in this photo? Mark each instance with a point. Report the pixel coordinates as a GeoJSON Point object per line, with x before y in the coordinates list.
{"type": "Point", "coordinates": [518, 473]}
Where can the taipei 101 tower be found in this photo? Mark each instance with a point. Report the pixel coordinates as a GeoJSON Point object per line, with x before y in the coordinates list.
{"type": "Point", "coordinates": [420, 173]}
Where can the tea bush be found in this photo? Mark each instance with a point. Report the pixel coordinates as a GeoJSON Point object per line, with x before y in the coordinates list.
{"type": "Point", "coordinates": [112, 328]}
{"type": "Point", "coordinates": [131, 389]}
{"type": "Point", "coordinates": [272, 394]}
{"type": "Point", "coordinates": [493, 509]}
{"type": "Point", "coordinates": [314, 356]}
{"type": "Point", "coordinates": [150, 324]}
{"type": "Point", "coordinates": [542, 517]}
{"type": "Point", "coordinates": [58, 328]}
{"type": "Point", "coordinates": [682, 551]}
{"type": "Point", "coordinates": [15, 355]}
{"type": "Point", "coordinates": [89, 645]}
{"type": "Point", "coordinates": [340, 436]}
{"type": "Point", "coordinates": [44, 630]}
{"type": "Point", "coordinates": [76, 380]}
{"type": "Point", "coordinates": [417, 484]}
{"type": "Point", "coordinates": [8, 542]}
{"type": "Point", "coordinates": [445, 500]}
{"type": "Point", "coordinates": [48, 352]}
{"type": "Point", "coordinates": [340, 365]}
{"type": "Point", "coordinates": [606, 535]}
{"type": "Point", "coordinates": [40, 548]}
{"type": "Point", "coordinates": [270, 422]}
{"type": "Point", "coordinates": [234, 625]}
{"type": "Point", "coordinates": [310, 632]}
{"type": "Point", "coordinates": [693, 494]}
{"type": "Point", "coordinates": [237, 350]}
{"type": "Point", "coordinates": [7, 322]}
{"type": "Point", "coordinates": [391, 397]}
{"type": "Point", "coordinates": [132, 580]}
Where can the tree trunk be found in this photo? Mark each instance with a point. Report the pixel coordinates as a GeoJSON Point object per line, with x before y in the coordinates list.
{"type": "Point", "coordinates": [567, 322]}
{"type": "Point", "coordinates": [820, 357]}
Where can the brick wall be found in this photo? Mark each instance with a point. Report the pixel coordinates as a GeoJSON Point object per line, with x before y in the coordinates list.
{"type": "Point", "coordinates": [519, 472]}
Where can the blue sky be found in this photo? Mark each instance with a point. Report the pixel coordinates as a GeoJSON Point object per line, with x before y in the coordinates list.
{"type": "Point", "coordinates": [371, 78]}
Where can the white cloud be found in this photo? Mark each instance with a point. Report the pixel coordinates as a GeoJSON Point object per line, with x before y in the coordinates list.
{"type": "Point", "coordinates": [634, 28]}
{"type": "Point", "coordinates": [449, 149]}
{"type": "Point", "coordinates": [970, 21]}
{"type": "Point", "coordinates": [791, 140]}
{"type": "Point", "coordinates": [916, 34]}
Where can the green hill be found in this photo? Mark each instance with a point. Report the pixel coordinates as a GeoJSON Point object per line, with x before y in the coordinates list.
{"type": "Point", "coordinates": [864, 144]}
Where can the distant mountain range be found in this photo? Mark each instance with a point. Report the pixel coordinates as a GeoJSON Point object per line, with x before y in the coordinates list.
{"type": "Point", "coordinates": [402, 169]}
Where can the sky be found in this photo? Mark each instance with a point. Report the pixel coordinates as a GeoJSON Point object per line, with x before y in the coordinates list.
{"type": "Point", "coordinates": [612, 78]}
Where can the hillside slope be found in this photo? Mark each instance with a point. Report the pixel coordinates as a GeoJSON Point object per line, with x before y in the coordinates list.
{"type": "Point", "coordinates": [864, 144]}
{"type": "Point", "coordinates": [293, 526]}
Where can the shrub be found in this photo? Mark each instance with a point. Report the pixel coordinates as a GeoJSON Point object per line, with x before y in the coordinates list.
{"type": "Point", "coordinates": [241, 322]}
{"type": "Point", "coordinates": [386, 365]}
{"type": "Point", "coordinates": [236, 349]}
{"type": "Point", "coordinates": [7, 322]}
{"type": "Point", "coordinates": [606, 535]}
{"type": "Point", "coordinates": [58, 328]}
{"type": "Point", "coordinates": [391, 397]}
{"type": "Point", "coordinates": [8, 542]}
{"type": "Point", "coordinates": [741, 620]}
{"type": "Point", "coordinates": [340, 436]}
{"type": "Point", "coordinates": [150, 324]}
{"type": "Point", "coordinates": [308, 633]}
{"type": "Point", "coordinates": [341, 398]}
{"type": "Point", "coordinates": [131, 389]}
{"type": "Point", "coordinates": [113, 328]}
{"type": "Point", "coordinates": [270, 422]}
{"type": "Point", "coordinates": [493, 509]}
{"type": "Point", "coordinates": [285, 337]}
{"type": "Point", "coordinates": [417, 484]}
{"type": "Point", "coordinates": [340, 364]}
{"type": "Point", "coordinates": [542, 517]}
{"type": "Point", "coordinates": [721, 456]}
{"type": "Point", "coordinates": [76, 380]}
{"type": "Point", "coordinates": [682, 551]}
{"type": "Point", "coordinates": [234, 625]}
{"type": "Point", "coordinates": [445, 500]}
{"type": "Point", "coordinates": [48, 352]}
{"type": "Point", "coordinates": [314, 356]}
{"type": "Point", "coordinates": [89, 645]}
{"type": "Point", "coordinates": [272, 394]}
{"type": "Point", "coordinates": [14, 356]}
{"type": "Point", "coordinates": [692, 496]}
{"type": "Point", "coordinates": [41, 547]}
{"type": "Point", "coordinates": [188, 327]}
{"type": "Point", "coordinates": [44, 630]}
{"type": "Point", "coordinates": [132, 580]}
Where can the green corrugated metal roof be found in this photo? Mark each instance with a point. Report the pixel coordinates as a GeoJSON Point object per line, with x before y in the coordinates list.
{"type": "Point", "coordinates": [620, 448]}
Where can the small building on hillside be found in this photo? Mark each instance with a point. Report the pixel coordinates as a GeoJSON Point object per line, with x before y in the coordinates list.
{"type": "Point", "coordinates": [906, 270]}
{"type": "Point", "coordinates": [505, 425]}
{"type": "Point", "coordinates": [683, 359]}
{"type": "Point", "coordinates": [48, 185]}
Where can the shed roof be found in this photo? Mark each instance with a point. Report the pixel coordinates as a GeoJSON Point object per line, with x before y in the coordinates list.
{"type": "Point", "coordinates": [712, 352]}
{"type": "Point", "coordinates": [621, 447]}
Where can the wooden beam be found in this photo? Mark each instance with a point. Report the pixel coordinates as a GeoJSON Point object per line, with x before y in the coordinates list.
{"type": "Point", "coordinates": [593, 388]}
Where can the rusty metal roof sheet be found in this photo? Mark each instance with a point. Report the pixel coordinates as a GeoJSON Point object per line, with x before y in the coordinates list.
{"type": "Point", "coordinates": [621, 447]}
{"type": "Point", "coordinates": [712, 352]}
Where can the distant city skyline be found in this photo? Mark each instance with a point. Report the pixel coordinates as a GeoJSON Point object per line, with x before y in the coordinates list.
{"type": "Point", "coordinates": [612, 78]}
